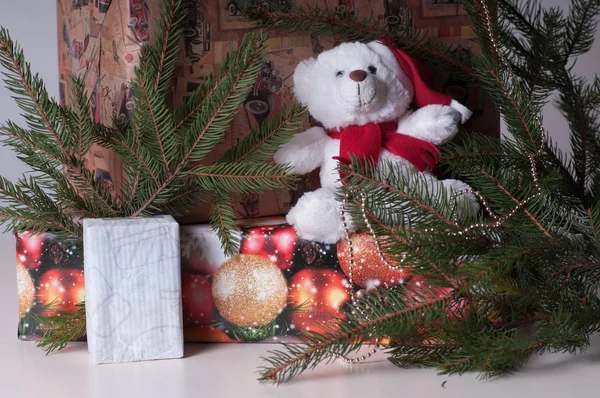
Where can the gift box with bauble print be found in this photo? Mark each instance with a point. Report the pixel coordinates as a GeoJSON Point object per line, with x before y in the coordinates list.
{"type": "Point", "coordinates": [49, 279]}
{"type": "Point", "coordinates": [278, 286]}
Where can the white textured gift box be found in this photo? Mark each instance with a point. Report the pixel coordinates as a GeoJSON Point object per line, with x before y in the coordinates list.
{"type": "Point", "coordinates": [133, 289]}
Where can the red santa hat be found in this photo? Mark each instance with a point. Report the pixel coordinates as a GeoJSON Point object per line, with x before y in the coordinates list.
{"type": "Point", "coordinates": [423, 95]}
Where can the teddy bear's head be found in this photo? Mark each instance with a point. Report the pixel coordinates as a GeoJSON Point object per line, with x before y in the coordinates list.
{"type": "Point", "coordinates": [353, 83]}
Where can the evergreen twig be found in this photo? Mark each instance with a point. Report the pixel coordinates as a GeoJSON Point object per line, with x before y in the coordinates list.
{"type": "Point", "coordinates": [160, 147]}
{"type": "Point", "coordinates": [535, 264]}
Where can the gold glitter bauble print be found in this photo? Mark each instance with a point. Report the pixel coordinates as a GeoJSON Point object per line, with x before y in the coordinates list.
{"type": "Point", "coordinates": [369, 271]}
{"type": "Point", "coordinates": [26, 290]}
{"type": "Point", "coordinates": [249, 290]}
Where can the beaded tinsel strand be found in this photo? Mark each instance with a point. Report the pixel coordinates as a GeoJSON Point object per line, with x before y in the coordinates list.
{"type": "Point", "coordinates": [350, 272]}
{"type": "Point", "coordinates": [498, 220]}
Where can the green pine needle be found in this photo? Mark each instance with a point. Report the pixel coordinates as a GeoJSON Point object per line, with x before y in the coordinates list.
{"type": "Point", "coordinates": [60, 328]}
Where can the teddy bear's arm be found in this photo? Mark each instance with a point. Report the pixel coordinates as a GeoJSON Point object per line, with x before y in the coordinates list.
{"type": "Point", "coordinates": [304, 152]}
{"type": "Point", "coordinates": [434, 123]}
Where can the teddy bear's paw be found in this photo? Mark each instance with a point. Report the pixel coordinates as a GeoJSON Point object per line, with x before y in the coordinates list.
{"type": "Point", "coordinates": [467, 204]}
{"type": "Point", "coordinates": [316, 217]}
{"type": "Point", "coordinates": [446, 122]}
{"type": "Point", "coordinates": [304, 152]}
{"type": "Point", "coordinates": [434, 123]}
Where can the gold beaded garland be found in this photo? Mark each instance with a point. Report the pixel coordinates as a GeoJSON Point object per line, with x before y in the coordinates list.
{"type": "Point", "coordinates": [369, 271]}
{"type": "Point", "coordinates": [351, 265]}
{"type": "Point", "coordinates": [249, 290]}
{"type": "Point", "coordinates": [498, 220]}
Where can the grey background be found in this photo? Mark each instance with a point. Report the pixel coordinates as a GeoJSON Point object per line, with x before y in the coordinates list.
{"type": "Point", "coordinates": [33, 24]}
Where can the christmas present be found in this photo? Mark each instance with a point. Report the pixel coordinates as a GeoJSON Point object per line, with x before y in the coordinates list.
{"type": "Point", "coordinates": [276, 287]}
{"type": "Point", "coordinates": [100, 41]}
{"type": "Point", "coordinates": [133, 296]}
{"type": "Point", "coordinates": [260, 293]}
{"type": "Point", "coordinates": [49, 279]}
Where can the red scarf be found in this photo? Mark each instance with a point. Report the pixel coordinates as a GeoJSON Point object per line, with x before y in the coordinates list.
{"type": "Point", "coordinates": [366, 142]}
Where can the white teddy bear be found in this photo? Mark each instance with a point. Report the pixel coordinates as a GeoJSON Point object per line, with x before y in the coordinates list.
{"type": "Point", "coordinates": [361, 94]}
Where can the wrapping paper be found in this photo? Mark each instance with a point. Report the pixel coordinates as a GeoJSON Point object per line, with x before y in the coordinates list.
{"type": "Point", "coordinates": [133, 289]}
{"type": "Point", "coordinates": [51, 271]}
{"type": "Point", "coordinates": [101, 40]}
{"type": "Point", "coordinates": [311, 271]}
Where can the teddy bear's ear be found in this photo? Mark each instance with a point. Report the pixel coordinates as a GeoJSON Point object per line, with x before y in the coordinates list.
{"type": "Point", "coordinates": [302, 77]}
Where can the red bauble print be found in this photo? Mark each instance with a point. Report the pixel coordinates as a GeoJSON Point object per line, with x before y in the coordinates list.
{"type": "Point", "coordinates": [29, 249]}
{"type": "Point", "coordinates": [284, 241]}
{"type": "Point", "coordinates": [254, 242]}
{"type": "Point", "coordinates": [205, 334]}
{"type": "Point", "coordinates": [197, 300]}
{"type": "Point", "coordinates": [64, 287]}
{"type": "Point", "coordinates": [421, 291]}
{"type": "Point", "coordinates": [323, 292]}
{"type": "Point", "coordinates": [275, 243]}
{"type": "Point", "coordinates": [369, 271]}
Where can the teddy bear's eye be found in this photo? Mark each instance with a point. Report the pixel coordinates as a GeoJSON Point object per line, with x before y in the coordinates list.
{"type": "Point", "coordinates": [340, 73]}
{"type": "Point", "coordinates": [372, 69]}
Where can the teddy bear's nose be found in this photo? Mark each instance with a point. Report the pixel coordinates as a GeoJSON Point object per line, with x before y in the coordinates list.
{"type": "Point", "coordinates": [358, 75]}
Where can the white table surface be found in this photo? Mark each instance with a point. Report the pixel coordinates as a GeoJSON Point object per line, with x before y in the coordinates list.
{"type": "Point", "coordinates": [229, 370]}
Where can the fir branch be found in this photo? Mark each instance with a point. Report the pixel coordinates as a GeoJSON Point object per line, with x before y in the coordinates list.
{"type": "Point", "coordinates": [594, 215]}
{"type": "Point", "coordinates": [506, 255]}
{"type": "Point", "coordinates": [222, 218]}
{"type": "Point", "coordinates": [127, 146]}
{"type": "Point", "coordinates": [496, 75]}
{"type": "Point", "coordinates": [199, 98]}
{"type": "Point", "coordinates": [322, 21]}
{"type": "Point", "coordinates": [23, 220]}
{"type": "Point", "coordinates": [581, 27]}
{"type": "Point", "coordinates": [355, 178]}
{"type": "Point", "coordinates": [27, 143]}
{"type": "Point", "coordinates": [243, 68]}
{"type": "Point", "coordinates": [33, 153]}
{"type": "Point", "coordinates": [15, 194]}
{"type": "Point", "coordinates": [550, 35]}
{"type": "Point", "coordinates": [152, 120]}
{"type": "Point", "coordinates": [399, 236]}
{"type": "Point", "coordinates": [510, 276]}
{"type": "Point", "coordinates": [241, 177]}
{"type": "Point", "coordinates": [84, 125]}
{"type": "Point", "coordinates": [205, 133]}
{"type": "Point", "coordinates": [584, 127]}
{"type": "Point", "coordinates": [525, 16]}
{"type": "Point", "coordinates": [85, 184]}
{"type": "Point", "coordinates": [517, 202]}
{"type": "Point", "coordinates": [462, 157]}
{"type": "Point", "coordinates": [169, 31]}
{"type": "Point", "coordinates": [519, 111]}
{"type": "Point", "coordinates": [284, 365]}
{"type": "Point", "coordinates": [260, 145]}
{"type": "Point", "coordinates": [187, 197]}
{"type": "Point", "coordinates": [30, 91]}
{"type": "Point", "coordinates": [414, 251]}
{"type": "Point", "coordinates": [541, 63]}
{"type": "Point", "coordinates": [62, 328]}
